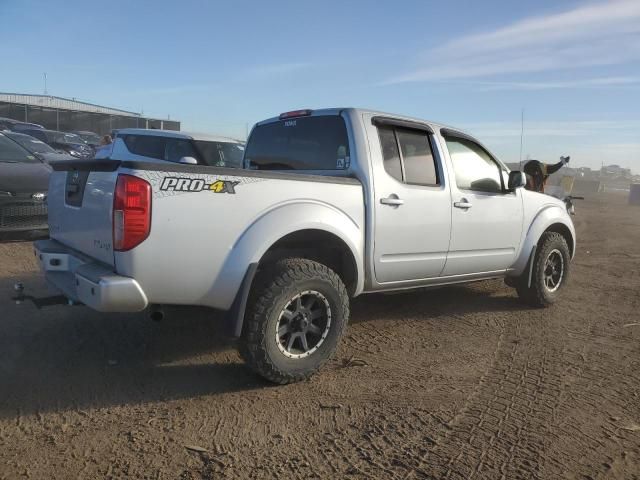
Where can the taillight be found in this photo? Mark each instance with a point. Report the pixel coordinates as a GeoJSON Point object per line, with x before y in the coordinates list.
{"type": "Point", "coordinates": [295, 113]}
{"type": "Point", "coordinates": [131, 212]}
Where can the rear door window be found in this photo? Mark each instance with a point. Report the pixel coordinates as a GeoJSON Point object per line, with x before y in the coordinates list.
{"type": "Point", "coordinates": [417, 157]}
{"type": "Point", "coordinates": [390, 152]}
{"type": "Point", "coordinates": [407, 156]}
{"type": "Point", "coordinates": [303, 143]}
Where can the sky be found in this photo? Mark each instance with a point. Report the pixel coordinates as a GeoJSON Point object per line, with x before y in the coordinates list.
{"type": "Point", "coordinates": [573, 67]}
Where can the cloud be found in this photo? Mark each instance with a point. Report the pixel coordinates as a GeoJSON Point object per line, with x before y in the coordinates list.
{"type": "Point", "coordinates": [606, 33]}
{"type": "Point", "coordinates": [555, 85]}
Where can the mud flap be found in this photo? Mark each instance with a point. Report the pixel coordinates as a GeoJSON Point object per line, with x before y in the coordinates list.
{"type": "Point", "coordinates": [235, 315]}
{"type": "Point", "coordinates": [530, 264]}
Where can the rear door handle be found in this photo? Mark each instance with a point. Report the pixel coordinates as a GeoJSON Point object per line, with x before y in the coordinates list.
{"type": "Point", "coordinates": [464, 204]}
{"type": "Point", "coordinates": [392, 200]}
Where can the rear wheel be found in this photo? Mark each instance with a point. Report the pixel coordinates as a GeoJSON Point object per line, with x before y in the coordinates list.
{"type": "Point", "coordinates": [295, 320]}
{"type": "Point", "coordinates": [549, 273]}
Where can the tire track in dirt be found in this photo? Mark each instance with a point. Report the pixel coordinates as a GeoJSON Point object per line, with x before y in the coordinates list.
{"type": "Point", "coordinates": [500, 433]}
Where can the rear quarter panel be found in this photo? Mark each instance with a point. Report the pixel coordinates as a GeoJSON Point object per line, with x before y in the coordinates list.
{"type": "Point", "coordinates": [202, 240]}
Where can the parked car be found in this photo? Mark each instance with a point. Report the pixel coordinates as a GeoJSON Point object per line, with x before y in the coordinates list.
{"type": "Point", "coordinates": [23, 188]}
{"type": "Point", "coordinates": [62, 141]}
{"type": "Point", "coordinates": [172, 146]}
{"type": "Point", "coordinates": [91, 138]}
{"type": "Point", "coordinates": [11, 124]}
{"type": "Point", "coordinates": [332, 204]}
{"type": "Point", "coordinates": [37, 147]}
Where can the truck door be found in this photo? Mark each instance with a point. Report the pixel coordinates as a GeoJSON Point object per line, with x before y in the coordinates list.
{"type": "Point", "coordinates": [412, 204]}
{"type": "Point", "coordinates": [486, 219]}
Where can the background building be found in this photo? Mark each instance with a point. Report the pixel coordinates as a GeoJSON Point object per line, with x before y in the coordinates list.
{"type": "Point", "coordinates": [57, 113]}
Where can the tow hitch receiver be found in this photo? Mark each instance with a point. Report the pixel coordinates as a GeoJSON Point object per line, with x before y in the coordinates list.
{"type": "Point", "coordinates": [41, 302]}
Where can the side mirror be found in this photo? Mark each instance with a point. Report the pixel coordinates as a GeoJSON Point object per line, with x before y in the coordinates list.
{"type": "Point", "coordinates": [188, 161]}
{"type": "Point", "coordinates": [516, 180]}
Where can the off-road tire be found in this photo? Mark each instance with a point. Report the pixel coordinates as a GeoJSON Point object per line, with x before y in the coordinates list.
{"type": "Point", "coordinates": [538, 295]}
{"type": "Point", "coordinates": [274, 287]}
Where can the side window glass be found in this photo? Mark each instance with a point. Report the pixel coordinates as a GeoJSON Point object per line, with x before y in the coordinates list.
{"type": "Point", "coordinates": [178, 148]}
{"type": "Point", "coordinates": [474, 168]}
{"type": "Point", "coordinates": [417, 157]}
{"type": "Point", "coordinates": [146, 145]}
{"type": "Point", "coordinates": [390, 154]}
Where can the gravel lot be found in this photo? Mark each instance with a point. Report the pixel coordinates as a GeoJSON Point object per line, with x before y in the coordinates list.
{"type": "Point", "coordinates": [453, 383]}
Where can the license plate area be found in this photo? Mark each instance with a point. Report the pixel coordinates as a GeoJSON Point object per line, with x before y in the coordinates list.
{"type": "Point", "coordinates": [74, 187]}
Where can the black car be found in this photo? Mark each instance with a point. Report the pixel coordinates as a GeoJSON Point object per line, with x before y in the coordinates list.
{"type": "Point", "coordinates": [37, 147]}
{"type": "Point", "coordinates": [62, 141]}
{"type": "Point", "coordinates": [24, 181]}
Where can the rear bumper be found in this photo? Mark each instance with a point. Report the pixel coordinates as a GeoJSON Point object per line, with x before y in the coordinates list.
{"type": "Point", "coordinates": [87, 281]}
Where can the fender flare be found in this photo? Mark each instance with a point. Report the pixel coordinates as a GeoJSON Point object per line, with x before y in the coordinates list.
{"type": "Point", "coordinates": [269, 227]}
{"type": "Point", "coordinates": [547, 218]}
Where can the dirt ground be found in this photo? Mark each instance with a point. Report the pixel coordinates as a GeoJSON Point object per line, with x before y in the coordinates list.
{"type": "Point", "coordinates": [461, 382]}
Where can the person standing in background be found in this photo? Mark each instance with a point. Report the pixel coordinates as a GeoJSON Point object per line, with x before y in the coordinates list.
{"type": "Point", "coordinates": [104, 150]}
{"type": "Point", "coordinates": [538, 172]}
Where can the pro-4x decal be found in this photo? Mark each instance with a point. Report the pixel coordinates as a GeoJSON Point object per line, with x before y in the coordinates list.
{"type": "Point", "coordinates": [184, 184]}
{"type": "Point", "coordinates": [172, 184]}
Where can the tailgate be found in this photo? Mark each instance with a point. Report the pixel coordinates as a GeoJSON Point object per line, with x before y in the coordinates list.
{"type": "Point", "coordinates": [81, 204]}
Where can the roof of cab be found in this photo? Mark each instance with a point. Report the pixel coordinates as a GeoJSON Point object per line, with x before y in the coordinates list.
{"type": "Point", "coordinates": [175, 134]}
{"type": "Point", "coordinates": [362, 111]}
{"type": "Point", "coordinates": [337, 111]}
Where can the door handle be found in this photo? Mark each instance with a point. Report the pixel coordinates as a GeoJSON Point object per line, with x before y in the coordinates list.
{"type": "Point", "coordinates": [392, 200]}
{"type": "Point", "coordinates": [463, 204]}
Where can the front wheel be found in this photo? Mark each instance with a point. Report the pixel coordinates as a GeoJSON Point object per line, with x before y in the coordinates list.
{"type": "Point", "coordinates": [296, 317]}
{"type": "Point", "coordinates": [549, 273]}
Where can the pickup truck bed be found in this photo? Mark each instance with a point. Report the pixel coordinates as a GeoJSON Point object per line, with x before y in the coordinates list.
{"type": "Point", "coordinates": [229, 206]}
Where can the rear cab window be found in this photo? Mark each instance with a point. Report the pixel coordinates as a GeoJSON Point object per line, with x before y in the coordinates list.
{"type": "Point", "coordinates": [301, 143]}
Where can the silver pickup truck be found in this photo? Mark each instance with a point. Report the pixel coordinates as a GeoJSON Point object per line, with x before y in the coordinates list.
{"type": "Point", "coordinates": [330, 204]}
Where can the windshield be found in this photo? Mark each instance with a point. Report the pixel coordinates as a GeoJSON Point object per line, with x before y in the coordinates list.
{"type": "Point", "coordinates": [220, 154]}
{"type": "Point", "coordinates": [61, 137]}
{"type": "Point", "coordinates": [91, 138]}
{"type": "Point", "coordinates": [11, 152]}
{"type": "Point", "coordinates": [32, 144]}
{"type": "Point", "coordinates": [71, 138]}
{"type": "Point", "coordinates": [307, 143]}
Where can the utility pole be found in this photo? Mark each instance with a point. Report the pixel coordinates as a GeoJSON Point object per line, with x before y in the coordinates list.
{"type": "Point", "coordinates": [45, 83]}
